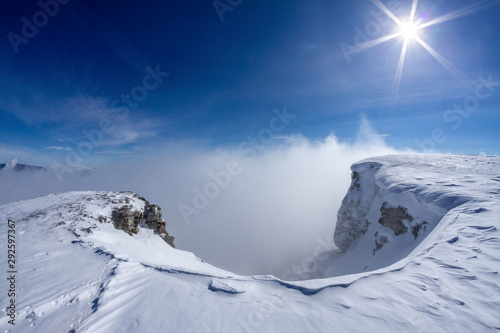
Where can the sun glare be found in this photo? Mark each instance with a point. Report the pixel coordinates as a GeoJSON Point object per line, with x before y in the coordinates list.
{"type": "Point", "coordinates": [408, 31]}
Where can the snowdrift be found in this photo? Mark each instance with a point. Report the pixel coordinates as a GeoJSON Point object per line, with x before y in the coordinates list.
{"type": "Point", "coordinates": [77, 273]}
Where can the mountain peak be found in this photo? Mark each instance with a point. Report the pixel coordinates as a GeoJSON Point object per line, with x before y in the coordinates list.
{"type": "Point", "coordinates": [10, 165]}
{"type": "Point", "coordinates": [14, 165]}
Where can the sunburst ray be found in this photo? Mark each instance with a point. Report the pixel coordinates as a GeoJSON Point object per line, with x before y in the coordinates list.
{"type": "Point", "coordinates": [399, 70]}
{"type": "Point", "coordinates": [413, 10]}
{"type": "Point", "coordinates": [409, 31]}
{"type": "Point", "coordinates": [459, 13]}
{"type": "Point", "coordinates": [459, 75]}
{"type": "Point", "coordinates": [366, 45]}
{"type": "Point", "coordinates": [386, 10]}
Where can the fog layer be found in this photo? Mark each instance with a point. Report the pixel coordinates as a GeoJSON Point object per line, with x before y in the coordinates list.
{"type": "Point", "coordinates": [248, 209]}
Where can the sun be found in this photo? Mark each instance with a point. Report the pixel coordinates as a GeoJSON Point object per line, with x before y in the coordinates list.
{"type": "Point", "coordinates": [409, 31]}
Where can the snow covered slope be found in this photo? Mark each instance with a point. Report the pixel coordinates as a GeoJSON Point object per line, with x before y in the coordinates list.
{"type": "Point", "coordinates": [395, 202]}
{"type": "Point", "coordinates": [87, 276]}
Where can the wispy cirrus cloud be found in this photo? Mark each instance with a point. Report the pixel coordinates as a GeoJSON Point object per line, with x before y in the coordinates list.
{"type": "Point", "coordinates": [66, 119]}
{"type": "Point", "coordinates": [59, 148]}
{"type": "Point", "coordinates": [62, 125]}
{"type": "Point", "coordinates": [39, 109]}
{"type": "Point", "coordinates": [130, 132]}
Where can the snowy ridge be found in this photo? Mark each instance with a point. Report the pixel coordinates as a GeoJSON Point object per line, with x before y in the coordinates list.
{"type": "Point", "coordinates": [394, 203]}
{"type": "Point", "coordinates": [445, 279]}
{"type": "Point", "coordinates": [392, 212]}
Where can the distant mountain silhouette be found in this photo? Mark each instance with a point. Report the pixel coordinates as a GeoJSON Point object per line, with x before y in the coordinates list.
{"type": "Point", "coordinates": [15, 166]}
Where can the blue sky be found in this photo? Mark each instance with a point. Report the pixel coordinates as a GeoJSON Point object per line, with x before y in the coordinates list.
{"type": "Point", "coordinates": [225, 77]}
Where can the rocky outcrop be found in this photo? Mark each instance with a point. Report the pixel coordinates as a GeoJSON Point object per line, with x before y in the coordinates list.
{"type": "Point", "coordinates": [130, 221]}
{"type": "Point", "coordinates": [153, 219]}
{"type": "Point", "coordinates": [394, 218]}
{"type": "Point", "coordinates": [380, 240]}
{"type": "Point", "coordinates": [352, 221]}
{"type": "Point", "coordinates": [399, 221]}
{"type": "Point", "coordinates": [127, 220]}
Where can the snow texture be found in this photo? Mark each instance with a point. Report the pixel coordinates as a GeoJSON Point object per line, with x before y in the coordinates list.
{"type": "Point", "coordinates": [78, 273]}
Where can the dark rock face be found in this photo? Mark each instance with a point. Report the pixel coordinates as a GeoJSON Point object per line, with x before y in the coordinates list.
{"type": "Point", "coordinates": [379, 242]}
{"type": "Point", "coordinates": [129, 221]}
{"type": "Point", "coordinates": [153, 219]}
{"type": "Point", "coordinates": [416, 228]}
{"type": "Point", "coordinates": [352, 223]}
{"type": "Point", "coordinates": [355, 185]}
{"type": "Point", "coordinates": [393, 218]}
{"type": "Point", "coordinates": [152, 216]}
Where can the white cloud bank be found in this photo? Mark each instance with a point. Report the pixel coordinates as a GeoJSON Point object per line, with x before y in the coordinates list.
{"type": "Point", "coordinates": [262, 219]}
